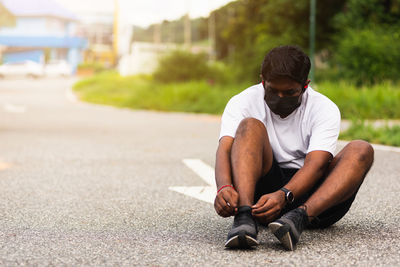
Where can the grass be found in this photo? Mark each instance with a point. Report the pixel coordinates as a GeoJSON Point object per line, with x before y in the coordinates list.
{"type": "Point", "coordinates": [380, 101]}
{"type": "Point", "coordinates": [142, 92]}
{"type": "Point", "coordinates": [382, 135]}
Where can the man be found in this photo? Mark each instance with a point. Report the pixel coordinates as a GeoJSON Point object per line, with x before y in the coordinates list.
{"type": "Point", "coordinates": [275, 163]}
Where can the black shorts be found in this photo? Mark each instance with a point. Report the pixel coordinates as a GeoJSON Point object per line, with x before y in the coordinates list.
{"type": "Point", "coordinates": [278, 177]}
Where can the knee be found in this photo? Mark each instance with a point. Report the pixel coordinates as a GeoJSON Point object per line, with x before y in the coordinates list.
{"type": "Point", "coordinates": [363, 151]}
{"type": "Point", "coordinates": [250, 125]}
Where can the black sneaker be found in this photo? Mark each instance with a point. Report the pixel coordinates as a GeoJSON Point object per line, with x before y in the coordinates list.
{"type": "Point", "coordinates": [289, 227]}
{"type": "Point", "coordinates": [244, 230]}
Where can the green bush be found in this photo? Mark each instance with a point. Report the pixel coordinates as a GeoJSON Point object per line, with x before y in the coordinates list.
{"type": "Point", "coordinates": [370, 55]}
{"type": "Point", "coordinates": [183, 66]}
{"type": "Point", "coordinates": [180, 66]}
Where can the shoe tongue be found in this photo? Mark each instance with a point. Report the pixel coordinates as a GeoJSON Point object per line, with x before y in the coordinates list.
{"type": "Point", "coordinates": [243, 209]}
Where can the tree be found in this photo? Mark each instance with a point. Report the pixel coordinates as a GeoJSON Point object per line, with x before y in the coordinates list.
{"type": "Point", "coordinates": [359, 14]}
{"type": "Point", "coordinates": [368, 48]}
{"type": "Point", "coordinates": [247, 29]}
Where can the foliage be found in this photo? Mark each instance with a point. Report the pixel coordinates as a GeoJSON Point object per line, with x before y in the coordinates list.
{"type": "Point", "coordinates": [180, 65]}
{"type": "Point", "coordinates": [359, 39]}
{"type": "Point", "coordinates": [247, 29]}
{"type": "Point", "coordinates": [173, 31]}
{"type": "Point", "coordinates": [142, 92]}
{"type": "Point", "coordinates": [383, 135]}
{"type": "Point", "coordinates": [376, 102]}
{"type": "Point", "coordinates": [183, 66]}
{"type": "Point", "coordinates": [368, 46]}
{"type": "Point", "coordinates": [369, 55]}
{"type": "Point", "coordinates": [361, 14]}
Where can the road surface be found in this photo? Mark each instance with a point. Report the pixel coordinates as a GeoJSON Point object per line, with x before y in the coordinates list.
{"type": "Point", "coordinates": [84, 184]}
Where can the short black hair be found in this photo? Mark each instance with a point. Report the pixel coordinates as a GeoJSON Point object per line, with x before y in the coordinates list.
{"type": "Point", "coordinates": [286, 61]}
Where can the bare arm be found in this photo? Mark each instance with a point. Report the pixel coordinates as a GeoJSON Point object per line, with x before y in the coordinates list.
{"type": "Point", "coordinates": [223, 170]}
{"type": "Point", "coordinates": [270, 205]}
{"type": "Point", "coordinates": [315, 165]}
{"type": "Point", "coordinates": [226, 201]}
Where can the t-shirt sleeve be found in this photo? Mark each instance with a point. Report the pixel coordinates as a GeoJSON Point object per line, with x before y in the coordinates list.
{"type": "Point", "coordinates": [231, 118]}
{"type": "Point", "coordinates": [325, 130]}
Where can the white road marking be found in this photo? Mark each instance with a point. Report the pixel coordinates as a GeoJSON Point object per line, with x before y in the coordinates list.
{"type": "Point", "coordinates": [206, 172]}
{"type": "Point", "coordinates": [14, 108]}
{"type": "Point", "coordinates": [203, 170]}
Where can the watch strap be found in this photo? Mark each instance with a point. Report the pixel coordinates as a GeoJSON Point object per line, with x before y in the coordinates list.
{"type": "Point", "coordinates": [287, 192]}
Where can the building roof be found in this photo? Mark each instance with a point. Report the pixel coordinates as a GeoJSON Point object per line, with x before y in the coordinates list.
{"type": "Point", "coordinates": [6, 18]}
{"type": "Point", "coordinates": [35, 8]}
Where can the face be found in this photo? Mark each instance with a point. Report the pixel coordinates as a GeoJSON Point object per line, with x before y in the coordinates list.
{"type": "Point", "coordinates": [283, 95]}
{"type": "Point", "coordinates": [283, 87]}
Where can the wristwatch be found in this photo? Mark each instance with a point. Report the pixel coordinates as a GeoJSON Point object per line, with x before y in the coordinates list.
{"type": "Point", "coordinates": [289, 197]}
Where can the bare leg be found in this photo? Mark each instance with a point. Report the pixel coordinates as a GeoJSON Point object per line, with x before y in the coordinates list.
{"type": "Point", "coordinates": [346, 173]}
{"type": "Point", "coordinates": [251, 157]}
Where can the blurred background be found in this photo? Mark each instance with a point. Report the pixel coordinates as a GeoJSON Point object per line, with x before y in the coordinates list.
{"type": "Point", "coordinates": [193, 55]}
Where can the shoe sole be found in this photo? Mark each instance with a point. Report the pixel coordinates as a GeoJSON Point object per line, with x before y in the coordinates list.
{"type": "Point", "coordinates": [241, 241]}
{"type": "Point", "coordinates": [285, 238]}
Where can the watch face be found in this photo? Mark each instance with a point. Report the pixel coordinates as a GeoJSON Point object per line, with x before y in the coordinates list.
{"type": "Point", "coordinates": [290, 197]}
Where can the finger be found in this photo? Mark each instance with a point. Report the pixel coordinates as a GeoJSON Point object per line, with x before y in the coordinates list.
{"type": "Point", "coordinates": [224, 205]}
{"type": "Point", "coordinates": [267, 206]}
{"type": "Point", "coordinates": [231, 204]}
{"type": "Point", "coordinates": [260, 202]}
{"type": "Point", "coordinates": [220, 211]}
{"type": "Point", "coordinates": [235, 199]}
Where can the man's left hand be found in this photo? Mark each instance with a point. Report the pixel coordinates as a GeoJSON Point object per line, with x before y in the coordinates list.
{"type": "Point", "coordinates": [269, 206]}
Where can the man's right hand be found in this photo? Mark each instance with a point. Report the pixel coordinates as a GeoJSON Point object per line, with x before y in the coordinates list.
{"type": "Point", "coordinates": [226, 202]}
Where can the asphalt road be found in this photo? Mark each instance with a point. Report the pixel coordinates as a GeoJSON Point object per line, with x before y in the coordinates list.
{"type": "Point", "coordinates": [84, 184]}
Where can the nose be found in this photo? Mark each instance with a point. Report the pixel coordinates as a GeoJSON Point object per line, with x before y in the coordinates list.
{"type": "Point", "coordinates": [280, 94]}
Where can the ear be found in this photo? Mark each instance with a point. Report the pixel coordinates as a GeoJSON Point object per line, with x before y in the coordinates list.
{"type": "Point", "coordinates": [306, 84]}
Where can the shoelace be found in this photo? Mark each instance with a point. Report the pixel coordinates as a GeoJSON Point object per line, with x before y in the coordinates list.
{"type": "Point", "coordinates": [243, 217]}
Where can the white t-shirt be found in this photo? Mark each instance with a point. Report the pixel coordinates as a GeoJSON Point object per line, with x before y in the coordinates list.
{"type": "Point", "coordinates": [314, 125]}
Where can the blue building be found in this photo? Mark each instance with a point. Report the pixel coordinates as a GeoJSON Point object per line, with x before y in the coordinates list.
{"type": "Point", "coordinates": [43, 30]}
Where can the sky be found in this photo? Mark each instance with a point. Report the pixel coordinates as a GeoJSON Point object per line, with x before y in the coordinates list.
{"type": "Point", "coordinates": [144, 12]}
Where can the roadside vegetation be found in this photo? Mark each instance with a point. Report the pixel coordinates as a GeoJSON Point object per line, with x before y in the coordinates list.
{"type": "Point", "coordinates": [358, 52]}
{"type": "Point", "coordinates": [143, 92]}
{"type": "Point", "coordinates": [379, 135]}
{"type": "Point", "coordinates": [380, 101]}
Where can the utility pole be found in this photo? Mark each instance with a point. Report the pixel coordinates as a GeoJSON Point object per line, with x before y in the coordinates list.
{"type": "Point", "coordinates": [157, 33]}
{"type": "Point", "coordinates": [187, 28]}
{"type": "Point", "coordinates": [116, 32]}
{"type": "Point", "coordinates": [187, 31]}
{"type": "Point", "coordinates": [312, 37]}
{"type": "Point", "coordinates": [211, 35]}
